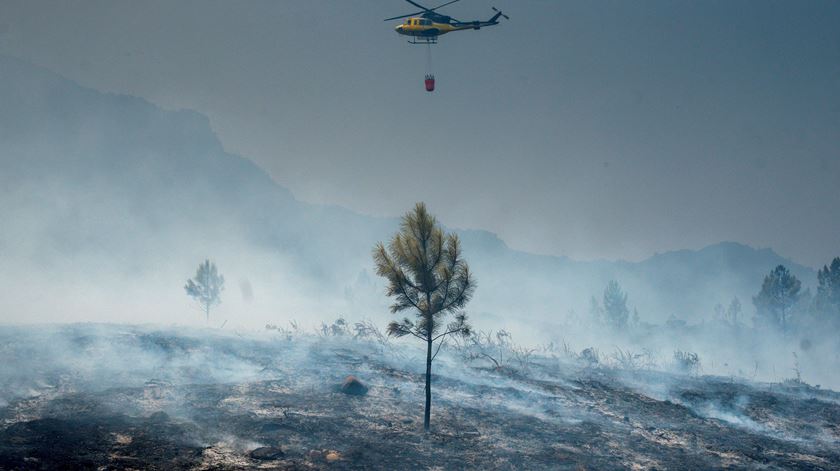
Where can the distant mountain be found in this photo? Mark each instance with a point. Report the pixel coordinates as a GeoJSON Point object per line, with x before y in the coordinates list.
{"type": "Point", "coordinates": [684, 283]}
{"type": "Point", "coordinates": [119, 184]}
{"type": "Point", "coordinates": [116, 174]}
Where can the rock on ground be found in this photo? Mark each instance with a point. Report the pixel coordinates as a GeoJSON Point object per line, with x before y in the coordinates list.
{"type": "Point", "coordinates": [267, 453]}
{"type": "Point", "coordinates": [353, 386]}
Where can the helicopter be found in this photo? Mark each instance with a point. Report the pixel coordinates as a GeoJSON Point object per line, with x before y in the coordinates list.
{"type": "Point", "coordinates": [426, 25]}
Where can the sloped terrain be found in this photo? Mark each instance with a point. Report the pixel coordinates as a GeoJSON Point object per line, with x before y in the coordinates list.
{"type": "Point", "coordinates": [109, 397]}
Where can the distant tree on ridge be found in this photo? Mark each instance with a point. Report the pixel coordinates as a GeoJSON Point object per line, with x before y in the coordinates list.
{"type": "Point", "coordinates": [733, 312]}
{"type": "Point", "coordinates": [828, 290]}
{"type": "Point", "coordinates": [615, 305]}
{"type": "Point", "coordinates": [206, 287]}
{"type": "Point", "coordinates": [780, 291]}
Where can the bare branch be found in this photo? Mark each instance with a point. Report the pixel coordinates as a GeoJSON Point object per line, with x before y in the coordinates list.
{"type": "Point", "coordinates": [440, 344]}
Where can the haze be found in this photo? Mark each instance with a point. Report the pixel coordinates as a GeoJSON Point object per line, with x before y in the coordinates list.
{"type": "Point", "coordinates": [609, 237]}
{"type": "Point", "coordinates": [636, 127]}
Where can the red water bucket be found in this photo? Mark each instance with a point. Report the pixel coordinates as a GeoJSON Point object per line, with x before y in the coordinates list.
{"type": "Point", "coordinates": [430, 83]}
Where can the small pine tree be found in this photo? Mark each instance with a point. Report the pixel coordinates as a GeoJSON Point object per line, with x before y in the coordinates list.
{"type": "Point", "coordinates": [828, 290]}
{"type": "Point", "coordinates": [206, 287]}
{"type": "Point", "coordinates": [779, 293]}
{"type": "Point", "coordinates": [615, 305]}
{"type": "Point", "coordinates": [426, 274]}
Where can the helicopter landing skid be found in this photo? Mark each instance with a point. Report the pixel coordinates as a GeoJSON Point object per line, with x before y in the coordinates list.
{"type": "Point", "coordinates": [432, 40]}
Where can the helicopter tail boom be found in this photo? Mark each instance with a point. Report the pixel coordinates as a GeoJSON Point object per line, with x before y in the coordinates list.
{"type": "Point", "coordinates": [480, 24]}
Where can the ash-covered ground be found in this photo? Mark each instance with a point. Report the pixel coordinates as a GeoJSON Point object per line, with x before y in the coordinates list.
{"type": "Point", "coordinates": [126, 397]}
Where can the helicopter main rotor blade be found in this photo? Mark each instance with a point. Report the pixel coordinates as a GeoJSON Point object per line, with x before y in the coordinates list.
{"type": "Point", "coordinates": [403, 16]}
{"type": "Point", "coordinates": [424, 10]}
{"type": "Point", "coordinates": [447, 3]}
{"type": "Point", "coordinates": [417, 5]}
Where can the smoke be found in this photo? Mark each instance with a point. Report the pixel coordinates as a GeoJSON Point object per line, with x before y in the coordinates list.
{"type": "Point", "coordinates": [111, 203]}
{"type": "Point", "coordinates": [230, 390]}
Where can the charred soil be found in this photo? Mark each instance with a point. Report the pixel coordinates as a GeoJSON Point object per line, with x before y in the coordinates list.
{"type": "Point", "coordinates": [227, 402]}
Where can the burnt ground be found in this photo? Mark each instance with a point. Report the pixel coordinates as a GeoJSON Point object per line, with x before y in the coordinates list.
{"type": "Point", "coordinates": [112, 397]}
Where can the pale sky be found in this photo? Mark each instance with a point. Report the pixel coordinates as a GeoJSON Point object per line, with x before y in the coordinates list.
{"type": "Point", "coordinates": [591, 129]}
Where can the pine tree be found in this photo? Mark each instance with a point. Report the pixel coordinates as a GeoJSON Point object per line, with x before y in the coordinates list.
{"type": "Point", "coordinates": [779, 293]}
{"type": "Point", "coordinates": [426, 275]}
{"type": "Point", "coordinates": [206, 287]}
{"type": "Point", "coordinates": [828, 290]}
{"type": "Point", "coordinates": [615, 305]}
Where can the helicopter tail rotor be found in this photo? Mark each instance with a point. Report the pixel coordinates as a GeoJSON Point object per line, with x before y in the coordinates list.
{"type": "Point", "coordinates": [499, 13]}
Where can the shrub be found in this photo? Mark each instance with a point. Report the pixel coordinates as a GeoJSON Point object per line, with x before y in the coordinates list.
{"type": "Point", "coordinates": [687, 362]}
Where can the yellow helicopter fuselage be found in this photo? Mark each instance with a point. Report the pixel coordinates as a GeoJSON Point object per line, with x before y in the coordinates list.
{"type": "Point", "coordinates": [424, 28]}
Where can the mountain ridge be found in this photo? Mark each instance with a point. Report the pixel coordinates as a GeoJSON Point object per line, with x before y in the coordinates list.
{"type": "Point", "coordinates": [126, 176]}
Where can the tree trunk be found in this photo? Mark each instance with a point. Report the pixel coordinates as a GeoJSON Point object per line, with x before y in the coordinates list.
{"type": "Point", "coordinates": [784, 322]}
{"type": "Point", "coordinates": [428, 414]}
